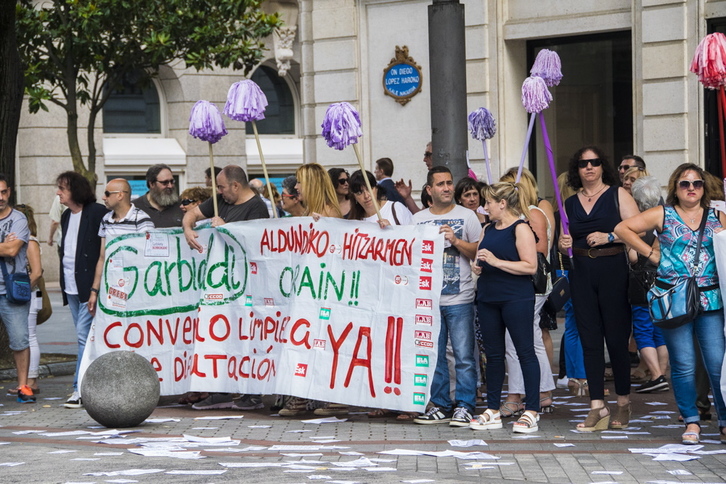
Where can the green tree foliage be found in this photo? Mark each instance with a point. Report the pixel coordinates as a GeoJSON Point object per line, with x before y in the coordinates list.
{"type": "Point", "coordinates": [77, 51]}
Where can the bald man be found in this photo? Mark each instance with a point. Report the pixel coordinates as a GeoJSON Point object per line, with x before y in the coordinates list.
{"type": "Point", "coordinates": [124, 218]}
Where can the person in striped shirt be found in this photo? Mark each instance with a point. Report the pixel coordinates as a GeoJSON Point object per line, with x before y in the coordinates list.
{"type": "Point", "coordinates": [124, 218]}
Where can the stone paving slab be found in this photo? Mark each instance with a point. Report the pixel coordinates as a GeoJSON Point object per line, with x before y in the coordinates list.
{"type": "Point", "coordinates": [535, 459]}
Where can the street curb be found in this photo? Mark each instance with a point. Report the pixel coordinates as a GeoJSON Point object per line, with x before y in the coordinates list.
{"type": "Point", "coordinates": [51, 369]}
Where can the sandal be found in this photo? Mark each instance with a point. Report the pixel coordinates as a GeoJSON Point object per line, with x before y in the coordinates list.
{"type": "Point", "coordinates": [527, 423]}
{"type": "Point", "coordinates": [546, 408]}
{"type": "Point", "coordinates": [511, 409]}
{"type": "Point", "coordinates": [621, 418]}
{"type": "Point", "coordinates": [487, 420]}
{"type": "Point", "coordinates": [380, 413]}
{"type": "Point", "coordinates": [193, 397]}
{"type": "Point", "coordinates": [691, 438]}
{"type": "Point", "coordinates": [639, 376]}
{"type": "Point", "coordinates": [578, 388]}
{"type": "Point", "coordinates": [595, 421]}
{"type": "Point", "coordinates": [407, 416]}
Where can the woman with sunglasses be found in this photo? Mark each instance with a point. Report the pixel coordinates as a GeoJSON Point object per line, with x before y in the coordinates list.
{"type": "Point", "coordinates": [599, 280]}
{"type": "Point", "coordinates": [341, 182]}
{"type": "Point", "coordinates": [191, 197]}
{"type": "Point", "coordinates": [677, 224]}
{"type": "Point", "coordinates": [291, 202]}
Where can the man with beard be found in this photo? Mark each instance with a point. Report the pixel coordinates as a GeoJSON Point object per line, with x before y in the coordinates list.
{"type": "Point", "coordinates": [161, 202]}
{"type": "Point", "coordinates": [236, 201]}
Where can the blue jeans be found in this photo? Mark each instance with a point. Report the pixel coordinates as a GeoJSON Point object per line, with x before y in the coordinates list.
{"type": "Point", "coordinates": [82, 320]}
{"type": "Point", "coordinates": [644, 333]}
{"type": "Point", "coordinates": [457, 323]}
{"type": "Point", "coordinates": [709, 331]}
{"type": "Point", "coordinates": [574, 361]}
{"type": "Point", "coordinates": [15, 317]}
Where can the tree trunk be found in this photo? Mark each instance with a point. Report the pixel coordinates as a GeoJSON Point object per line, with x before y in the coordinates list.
{"type": "Point", "coordinates": [11, 91]}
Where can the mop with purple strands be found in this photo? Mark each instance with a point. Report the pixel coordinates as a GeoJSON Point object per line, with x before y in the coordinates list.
{"type": "Point", "coordinates": [483, 127]}
{"type": "Point", "coordinates": [548, 67]}
{"type": "Point", "coordinates": [206, 124]}
{"type": "Point", "coordinates": [535, 99]}
{"type": "Point", "coordinates": [342, 127]}
{"type": "Point", "coordinates": [246, 102]}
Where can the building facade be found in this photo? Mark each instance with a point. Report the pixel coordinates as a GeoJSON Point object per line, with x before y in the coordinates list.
{"type": "Point", "coordinates": [626, 88]}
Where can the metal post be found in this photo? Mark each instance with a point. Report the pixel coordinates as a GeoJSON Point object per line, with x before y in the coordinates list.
{"type": "Point", "coordinates": [447, 58]}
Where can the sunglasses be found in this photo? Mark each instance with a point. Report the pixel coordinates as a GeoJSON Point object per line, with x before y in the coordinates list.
{"type": "Point", "coordinates": [686, 184]}
{"type": "Point", "coordinates": [166, 183]}
{"type": "Point", "coordinates": [187, 201]}
{"type": "Point", "coordinates": [343, 181]}
{"type": "Point", "coordinates": [108, 194]}
{"type": "Point", "coordinates": [595, 162]}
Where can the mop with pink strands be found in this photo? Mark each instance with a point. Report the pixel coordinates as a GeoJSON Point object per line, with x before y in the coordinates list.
{"type": "Point", "coordinates": [709, 63]}
{"type": "Point", "coordinates": [342, 127]}
{"type": "Point", "coordinates": [246, 102]}
{"type": "Point", "coordinates": [206, 124]}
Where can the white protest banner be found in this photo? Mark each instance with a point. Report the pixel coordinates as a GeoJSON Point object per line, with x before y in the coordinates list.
{"type": "Point", "coordinates": [334, 310]}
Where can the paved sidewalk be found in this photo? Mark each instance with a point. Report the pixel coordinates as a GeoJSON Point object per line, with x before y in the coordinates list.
{"type": "Point", "coordinates": [36, 438]}
{"type": "Point", "coordinates": [597, 457]}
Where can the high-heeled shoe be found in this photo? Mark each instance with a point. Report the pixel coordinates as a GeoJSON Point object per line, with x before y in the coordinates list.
{"type": "Point", "coordinates": [578, 388]}
{"type": "Point", "coordinates": [621, 419]}
{"type": "Point", "coordinates": [595, 421]}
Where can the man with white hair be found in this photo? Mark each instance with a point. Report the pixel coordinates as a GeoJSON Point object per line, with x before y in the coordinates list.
{"type": "Point", "coordinates": [257, 185]}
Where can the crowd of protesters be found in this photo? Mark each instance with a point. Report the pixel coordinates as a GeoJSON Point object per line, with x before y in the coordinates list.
{"type": "Point", "coordinates": [500, 241]}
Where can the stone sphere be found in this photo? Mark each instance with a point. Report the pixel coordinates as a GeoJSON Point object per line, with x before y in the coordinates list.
{"type": "Point", "coordinates": [120, 389]}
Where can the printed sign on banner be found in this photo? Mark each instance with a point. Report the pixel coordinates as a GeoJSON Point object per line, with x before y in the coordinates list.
{"type": "Point", "coordinates": [334, 310]}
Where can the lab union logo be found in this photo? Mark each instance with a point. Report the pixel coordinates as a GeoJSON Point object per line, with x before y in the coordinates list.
{"type": "Point", "coordinates": [420, 380]}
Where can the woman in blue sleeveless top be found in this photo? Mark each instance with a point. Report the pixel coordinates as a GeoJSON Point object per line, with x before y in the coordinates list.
{"type": "Point", "coordinates": [506, 260]}
{"type": "Point", "coordinates": [678, 224]}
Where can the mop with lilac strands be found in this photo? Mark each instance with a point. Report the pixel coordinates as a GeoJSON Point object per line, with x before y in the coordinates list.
{"type": "Point", "coordinates": [535, 99]}
{"type": "Point", "coordinates": [246, 102]}
{"type": "Point", "coordinates": [483, 127]}
{"type": "Point", "coordinates": [709, 63]}
{"type": "Point", "coordinates": [342, 127]}
{"type": "Point", "coordinates": [206, 124]}
{"type": "Point", "coordinates": [535, 96]}
{"type": "Point", "coordinates": [547, 72]}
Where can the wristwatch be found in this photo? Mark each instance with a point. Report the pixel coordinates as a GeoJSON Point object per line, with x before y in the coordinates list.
{"type": "Point", "coordinates": [611, 238]}
{"type": "Point", "coordinates": [93, 289]}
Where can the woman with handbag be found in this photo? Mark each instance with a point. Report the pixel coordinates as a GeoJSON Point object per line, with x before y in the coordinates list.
{"type": "Point", "coordinates": [35, 271]}
{"type": "Point", "coordinates": [541, 220]}
{"type": "Point", "coordinates": [686, 226]}
{"type": "Point", "coordinates": [649, 339]}
{"type": "Point", "coordinates": [599, 280]}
